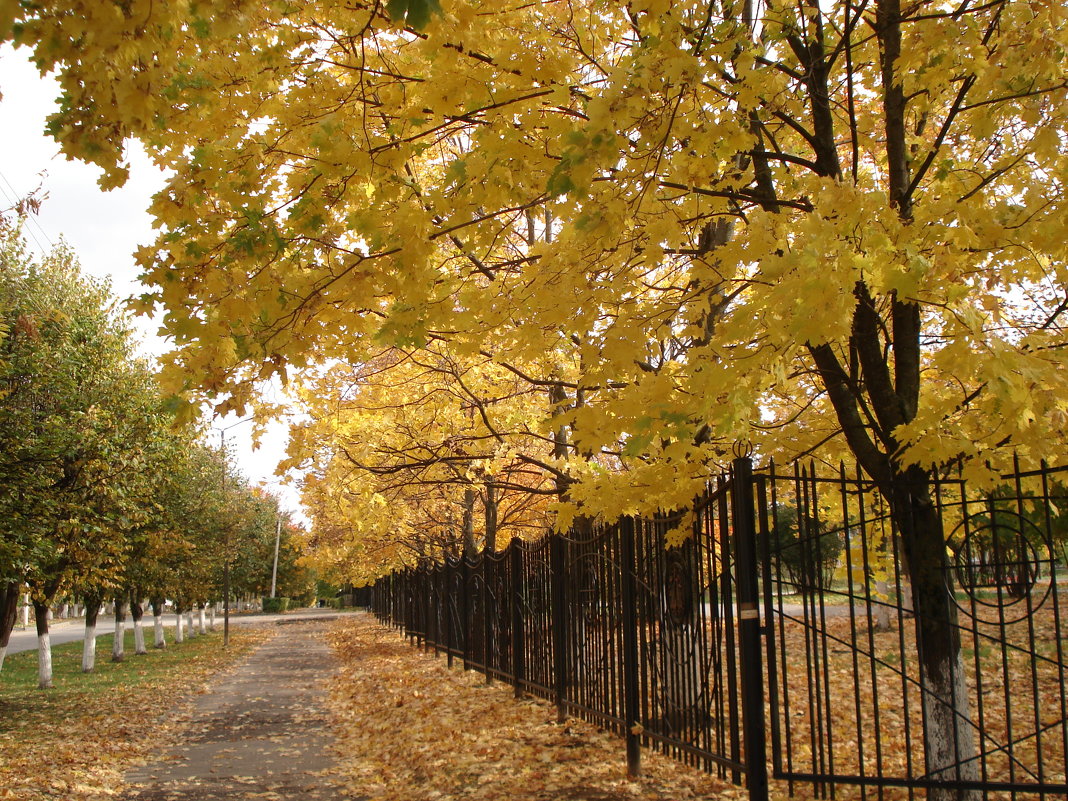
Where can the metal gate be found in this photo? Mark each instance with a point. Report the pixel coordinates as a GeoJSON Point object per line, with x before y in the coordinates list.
{"type": "Point", "coordinates": [851, 698]}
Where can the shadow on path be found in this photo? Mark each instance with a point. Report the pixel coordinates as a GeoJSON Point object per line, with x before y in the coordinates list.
{"type": "Point", "coordinates": [261, 732]}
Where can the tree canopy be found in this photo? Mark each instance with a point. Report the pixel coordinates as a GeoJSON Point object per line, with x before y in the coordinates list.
{"type": "Point", "coordinates": [837, 225]}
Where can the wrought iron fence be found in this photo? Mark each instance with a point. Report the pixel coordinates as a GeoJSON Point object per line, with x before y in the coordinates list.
{"type": "Point", "coordinates": [852, 699]}
{"type": "Point", "coordinates": [781, 606]}
{"type": "Point", "coordinates": [632, 626]}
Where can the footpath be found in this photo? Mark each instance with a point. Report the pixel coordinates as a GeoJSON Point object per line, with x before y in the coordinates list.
{"type": "Point", "coordinates": [64, 630]}
{"type": "Point", "coordinates": [260, 732]}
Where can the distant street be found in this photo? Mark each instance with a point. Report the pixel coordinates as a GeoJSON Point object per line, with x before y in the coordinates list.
{"type": "Point", "coordinates": [73, 629]}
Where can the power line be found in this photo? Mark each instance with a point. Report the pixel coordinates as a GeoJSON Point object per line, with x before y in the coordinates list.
{"type": "Point", "coordinates": [13, 198]}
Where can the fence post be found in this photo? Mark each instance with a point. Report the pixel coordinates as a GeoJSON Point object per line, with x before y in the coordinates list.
{"type": "Point", "coordinates": [559, 614]}
{"type": "Point", "coordinates": [518, 657]}
{"type": "Point", "coordinates": [488, 567]}
{"type": "Point", "coordinates": [450, 604]}
{"type": "Point", "coordinates": [465, 623]}
{"type": "Point", "coordinates": [749, 643]}
{"type": "Point", "coordinates": [631, 705]}
{"type": "Point", "coordinates": [434, 607]}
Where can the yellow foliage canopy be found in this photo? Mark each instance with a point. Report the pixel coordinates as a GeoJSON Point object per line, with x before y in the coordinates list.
{"type": "Point", "coordinates": [839, 225]}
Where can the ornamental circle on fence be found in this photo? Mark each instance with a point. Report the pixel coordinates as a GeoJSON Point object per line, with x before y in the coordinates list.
{"type": "Point", "coordinates": [998, 566]}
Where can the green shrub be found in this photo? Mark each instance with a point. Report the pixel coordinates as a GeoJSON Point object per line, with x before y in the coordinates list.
{"type": "Point", "coordinates": [272, 605]}
{"type": "Point", "coordinates": [305, 598]}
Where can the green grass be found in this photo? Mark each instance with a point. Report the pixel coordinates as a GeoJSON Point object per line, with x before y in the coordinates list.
{"type": "Point", "coordinates": [20, 670]}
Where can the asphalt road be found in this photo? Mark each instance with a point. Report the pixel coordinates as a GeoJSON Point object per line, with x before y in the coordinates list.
{"type": "Point", "coordinates": [73, 629]}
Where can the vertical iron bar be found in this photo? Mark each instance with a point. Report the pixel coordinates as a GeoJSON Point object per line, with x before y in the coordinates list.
{"type": "Point", "coordinates": [489, 566]}
{"type": "Point", "coordinates": [465, 609]}
{"type": "Point", "coordinates": [765, 557]}
{"type": "Point", "coordinates": [518, 660]}
{"type": "Point", "coordinates": [749, 630]}
{"type": "Point", "coordinates": [450, 607]}
{"type": "Point", "coordinates": [558, 586]}
{"type": "Point", "coordinates": [631, 706]}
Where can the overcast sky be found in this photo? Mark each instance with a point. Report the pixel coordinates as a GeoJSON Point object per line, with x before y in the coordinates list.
{"type": "Point", "coordinates": [104, 228]}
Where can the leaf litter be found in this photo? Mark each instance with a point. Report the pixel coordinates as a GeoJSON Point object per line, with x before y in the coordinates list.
{"type": "Point", "coordinates": [411, 729]}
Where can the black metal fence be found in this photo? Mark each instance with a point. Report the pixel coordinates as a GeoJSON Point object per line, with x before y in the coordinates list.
{"type": "Point", "coordinates": [778, 609]}
{"type": "Point", "coordinates": [850, 701]}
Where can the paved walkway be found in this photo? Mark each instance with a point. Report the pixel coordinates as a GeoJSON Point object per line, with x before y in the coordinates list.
{"type": "Point", "coordinates": [24, 638]}
{"type": "Point", "coordinates": [261, 732]}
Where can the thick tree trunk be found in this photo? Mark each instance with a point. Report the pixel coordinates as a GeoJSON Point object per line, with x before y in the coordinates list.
{"type": "Point", "coordinates": [211, 619]}
{"type": "Point", "coordinates": [192, 628]}
{"type": "Point", "coordinates": [880, 613]}
{"type": "Point", "coordinates": [200, 619]}
{"type": "Point", "coordinates": [118, 646]}
{"type": "Point", "coordinates": [179, 635]}
{"type": "Point", "coordinates": [9, 605]}
{"type": "Point", "coordinates": [949, 733]}
{"type": "Point", "coordinates": [137, 612]}
{"type": "Point", "coordinates": [44, 645]}
{"type": "Point", "coordinates": [92, 610]}
{"type": "Point", "coordinates": [157, 620]}
{"type": "Point", "coordinates": [470, 547]}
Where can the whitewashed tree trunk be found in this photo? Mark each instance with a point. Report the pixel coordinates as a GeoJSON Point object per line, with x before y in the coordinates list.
{"type": "Point", "coordinates": [201, 622]}
{"type": "Point", "coordinates": [44, 661]}
{"type": "Point", "coordinates": [118, 647]}
{"type": "Point", "coordinates": [92, 609]}
{"type": "Point", "coordinates": [160, 638]}
{"type": "Point", "coordinates": [179, 636]}
{"type": "Point", "coordinates": [89, 648]}
{"type": "Point", "coordinates": [44, 646]}
{"type": "Point", "coordinates": [211, 619]}
{"type": "Point", "coordinates": [3, 653]}
{"type": "Point", "coordinates": [26, 613]}
{"type": "Point", "coordinates": [192, 628]}
{"type": "Point", "coordinates": [137, 612]}
{"type": "Point", "coordinates": [949, 737]}
{"type": "Point", "coordinates": [139, 637]}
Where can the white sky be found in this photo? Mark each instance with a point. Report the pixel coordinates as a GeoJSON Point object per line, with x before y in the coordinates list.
{"type": "Point", "coordinates": [104, 228]}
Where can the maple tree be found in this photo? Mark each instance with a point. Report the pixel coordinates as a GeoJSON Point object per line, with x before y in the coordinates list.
{"type": "Point", "coordinates": [415, 456]}
{"type": "Point", "coordinates": [836, 225]}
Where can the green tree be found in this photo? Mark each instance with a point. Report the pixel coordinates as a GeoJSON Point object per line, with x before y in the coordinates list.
{"type": "Point", "coordinates": [72, 430]}
{"type": "Point", "coordinates": [802, 547]}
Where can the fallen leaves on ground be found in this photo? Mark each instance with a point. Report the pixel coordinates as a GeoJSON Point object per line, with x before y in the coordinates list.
{"type": "Point", "coordinates": [76, 745]}
{"type": "Point", "coordinates": [408, 727]}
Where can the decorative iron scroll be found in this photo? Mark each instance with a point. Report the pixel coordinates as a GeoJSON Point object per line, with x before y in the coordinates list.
{"type": "Point", "coordinates": [999, 565]}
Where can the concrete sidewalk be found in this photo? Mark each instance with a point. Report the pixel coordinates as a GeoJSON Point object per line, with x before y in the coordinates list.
{"type": "Point", "coordinates": [261, 732]}
{"type": "Point", "coordinates": [73, 629]}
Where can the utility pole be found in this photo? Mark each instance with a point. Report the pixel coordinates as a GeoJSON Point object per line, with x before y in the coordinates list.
{"type": "Point", "coordinates": [226, 554]}
{"type": "Point", "coordinates": [274, 570]}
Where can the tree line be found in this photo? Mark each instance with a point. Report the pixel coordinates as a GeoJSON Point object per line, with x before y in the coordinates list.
{"type": "Point", "coordinates": [104, 497]}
